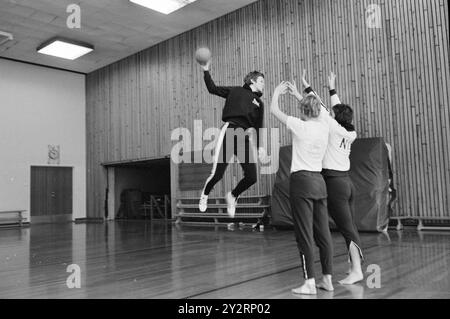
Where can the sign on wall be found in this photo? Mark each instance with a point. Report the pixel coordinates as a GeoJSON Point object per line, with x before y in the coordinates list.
{"type": "Point", "coordinates": [54, 154]}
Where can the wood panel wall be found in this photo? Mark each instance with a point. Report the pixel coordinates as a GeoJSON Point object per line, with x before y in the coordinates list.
{"type": "Point", "coordinates": [396, 79]}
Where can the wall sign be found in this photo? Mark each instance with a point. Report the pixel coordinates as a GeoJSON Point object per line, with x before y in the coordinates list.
{"type": "Point", "coordinates": [54, 154]}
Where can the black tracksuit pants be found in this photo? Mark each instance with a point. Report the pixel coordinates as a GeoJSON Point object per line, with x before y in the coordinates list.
{"type": "Point", "coordinates": [341, 205]}
{"type": "Point", "coordinates": [233, 142]}
{"type": "Point", "coordinates": [308, 198]}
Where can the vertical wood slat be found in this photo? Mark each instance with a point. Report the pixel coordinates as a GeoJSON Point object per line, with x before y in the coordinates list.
{"type": "Point", "coordinates": [395, 78]}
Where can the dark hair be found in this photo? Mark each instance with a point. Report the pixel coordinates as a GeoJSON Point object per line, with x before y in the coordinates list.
{"type": "Point", "coordinates": [252, 76]}
{"type": "Point", "coordinates": [343, 114]}
{"type": "Point", "coordinates": [310, 106]}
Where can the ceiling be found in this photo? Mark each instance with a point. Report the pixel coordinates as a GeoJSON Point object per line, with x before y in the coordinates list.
{"type": "Point", "coordinates": [116, 28]}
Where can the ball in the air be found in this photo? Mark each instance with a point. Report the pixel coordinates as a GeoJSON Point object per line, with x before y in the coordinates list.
{"type": "Point", "coordinates": [203, 55]}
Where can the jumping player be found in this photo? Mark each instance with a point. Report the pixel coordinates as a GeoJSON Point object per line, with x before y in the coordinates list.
{"type": "Point", "coordinates": [243, 116]}
{"type": "Point", "coordinates": [308, 193]}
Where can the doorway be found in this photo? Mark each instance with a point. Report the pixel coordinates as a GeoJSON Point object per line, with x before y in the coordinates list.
{"type": "Point", "coordinates": [139, 190]}
{"type": "Point", "coordinates": [51, 194]}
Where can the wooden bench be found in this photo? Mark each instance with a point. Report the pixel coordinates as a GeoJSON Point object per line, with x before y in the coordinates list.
{"type": "Point", "coordinates": [248, 208]}
{"type": "Point", "coordinates": [17, 219]}
{"type": "Point", "coordinates": [192, 177]}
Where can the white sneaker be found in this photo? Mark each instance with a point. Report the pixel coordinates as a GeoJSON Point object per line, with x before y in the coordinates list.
{"type": "Point", "coordinates": [203, 204]}
{"type": "Point", "coordinates": [231, 203]}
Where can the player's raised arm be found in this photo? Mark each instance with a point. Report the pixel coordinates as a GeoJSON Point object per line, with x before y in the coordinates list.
{"type": "Point", "coordinates": [221, 91]}
{"type": "Point", "coordinates": [309, 90]}
{"type": "Point", "coordinates": [333, 93]}
{"type": "Point", "coordinates": [307, 87]}
{"type": "Point", "coordinates": [274, 106]}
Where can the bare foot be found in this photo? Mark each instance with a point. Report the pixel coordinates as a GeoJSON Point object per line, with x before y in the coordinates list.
{"type": "Point", "coordinates": [308, 288]}
{"type": "Point", "coordinates": [352, 278]}
{"type": "Point", "coordinates": [326, 284]}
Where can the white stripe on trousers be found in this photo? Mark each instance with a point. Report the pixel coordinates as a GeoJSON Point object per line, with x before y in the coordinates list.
{"type": "Point", "coordinates": [305, 272]}
{"type": "Point", "coordinates": [217, 154]}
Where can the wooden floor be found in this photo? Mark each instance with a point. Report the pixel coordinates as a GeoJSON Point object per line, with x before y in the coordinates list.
{"type": "Point", "coordinates": [141, 260]}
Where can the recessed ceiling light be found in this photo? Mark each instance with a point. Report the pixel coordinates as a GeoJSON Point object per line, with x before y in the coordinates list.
{"type": "Point", "coordinates": [66, 49]}
{"type": "Point", "coordinates": [163, 6]}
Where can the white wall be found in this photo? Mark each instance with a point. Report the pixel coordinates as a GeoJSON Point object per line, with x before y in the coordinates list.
{"type": "Point", "coordinates": [40, 107]}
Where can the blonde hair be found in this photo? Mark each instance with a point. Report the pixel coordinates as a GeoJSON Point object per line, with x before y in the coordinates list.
{"type": "Point", "coordinates": [310, 106]}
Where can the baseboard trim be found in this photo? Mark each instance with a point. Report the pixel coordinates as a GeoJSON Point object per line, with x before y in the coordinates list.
{"type": "Point", "coordinates": [15, 225]}
{"type": "Point", "coordinates": [52, 219]}
{"type": "Point", "coordinates": [89, 220]}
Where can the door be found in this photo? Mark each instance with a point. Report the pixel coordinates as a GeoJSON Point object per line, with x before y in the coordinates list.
{"type": "Point", "coordinates": [51, 194]}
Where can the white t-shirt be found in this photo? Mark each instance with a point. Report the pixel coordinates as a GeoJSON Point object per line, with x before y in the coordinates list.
{"type": "Point", "coordinates": [337, 156]}
{"type": "Point", "coordinates": [309, 143]}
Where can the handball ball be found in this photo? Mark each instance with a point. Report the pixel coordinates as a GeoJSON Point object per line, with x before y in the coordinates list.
{"type": "Point", "coordinates": [203, 55]}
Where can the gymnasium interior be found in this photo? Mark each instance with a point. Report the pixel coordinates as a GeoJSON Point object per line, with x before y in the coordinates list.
{"type": "Point", "coordinates": [89, 185]}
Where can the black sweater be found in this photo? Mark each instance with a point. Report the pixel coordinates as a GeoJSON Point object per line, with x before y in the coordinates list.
{"type": "Point", "coordinates": [243, 107]}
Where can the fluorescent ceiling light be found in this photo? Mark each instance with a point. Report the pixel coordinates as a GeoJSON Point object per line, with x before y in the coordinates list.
{"type": "Point", "coordinates": [5, 37]}
{"type": "Point", "coordinates": [65, 49]}
{"type": "Point", "coordinates": [163, 6]}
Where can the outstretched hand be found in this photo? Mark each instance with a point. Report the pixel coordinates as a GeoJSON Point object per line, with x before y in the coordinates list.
{"type": "Point", "coordinates": [304, 82]}
{"type": "Point", "coordinates": [207, 66]}
{"type": "Point", "coordinates": [332, 81]}
{"type": "Point", "coordinates": [293, 89]}
{"type": "Point", "coordinates": [282, 88]}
